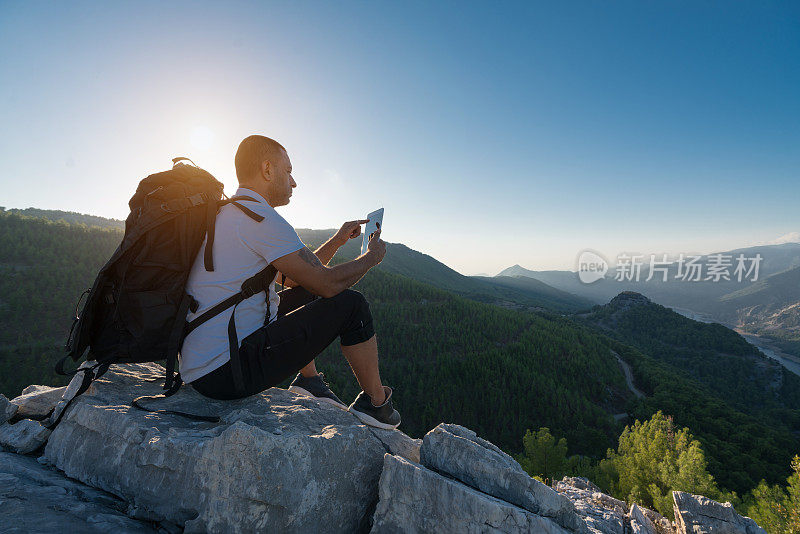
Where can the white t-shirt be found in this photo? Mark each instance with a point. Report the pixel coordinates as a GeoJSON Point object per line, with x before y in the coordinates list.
{"type": "Point", "coordinates": [242, 248]}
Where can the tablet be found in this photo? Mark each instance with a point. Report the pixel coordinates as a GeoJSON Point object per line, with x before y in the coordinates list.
{"type": "Point", "coordinates": [375, 222]}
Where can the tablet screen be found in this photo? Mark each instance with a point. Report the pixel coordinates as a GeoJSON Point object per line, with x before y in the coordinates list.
{"type": "Point", "coordinates": [375, 221]}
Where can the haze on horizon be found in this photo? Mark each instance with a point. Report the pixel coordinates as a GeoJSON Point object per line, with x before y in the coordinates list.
{"type": "Point", "coordinates": [492, 136]}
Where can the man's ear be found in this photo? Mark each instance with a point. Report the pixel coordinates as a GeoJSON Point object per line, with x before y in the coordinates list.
{"type": "Point", "coordinates": [265, 170]}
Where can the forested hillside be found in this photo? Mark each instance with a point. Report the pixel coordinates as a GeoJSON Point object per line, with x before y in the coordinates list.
{"type": "Point", "coordinates": [68, 217]}
{"type": "Point", "coordinates": [495, 370]}
{"type": "Point", "coordinates": [44, 267]}
{"type": "Point", "coordinates": [710, 353]}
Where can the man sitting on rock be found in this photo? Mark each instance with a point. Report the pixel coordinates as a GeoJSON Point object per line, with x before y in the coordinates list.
{"type": "Point", "coordinates": [303, 320]}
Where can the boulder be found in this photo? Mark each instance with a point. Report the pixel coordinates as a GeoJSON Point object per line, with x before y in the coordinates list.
{"type": "Point", "coordinates": [605, 514]}
{"type": "Point", "coordinates": [696, 514]}
{"type": "Point", "coordinates": [35, 402]}
{"type": "Point", "coordinates": [661, 524]}
{"type": "Point", "coordinates": [602, 513]}
{"type": "Point", "coordinates": [458, 452]}
{"type": "Point", "coordinates": [275, 462]}
{"type": "Point", "coordinates": [640, 523]}
{"type": "Point", "coordinates": [36, 499]}
{"type": "Point", "coordinates": [23, 436]}
{"type": "Point", "coordinates": [413, 499]}
{"type": "Point", "coordinates": [7, 409]}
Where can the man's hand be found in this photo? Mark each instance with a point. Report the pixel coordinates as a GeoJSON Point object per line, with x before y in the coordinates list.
{"type": "Point", "coordinates": [376, 248]}
{"type": "Point", "coordinates": [349, 230]}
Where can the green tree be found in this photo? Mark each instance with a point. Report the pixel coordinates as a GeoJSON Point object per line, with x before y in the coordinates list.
{"type": "Point", "coordinates": [777, 510]}
{"type": "Point", "coordinates": [544, 456]}
{"type": "Point", "coordinates": [654, 458]}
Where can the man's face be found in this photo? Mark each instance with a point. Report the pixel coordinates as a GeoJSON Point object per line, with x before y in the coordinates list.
{"type": "Point", "coordinates": [281, 182]}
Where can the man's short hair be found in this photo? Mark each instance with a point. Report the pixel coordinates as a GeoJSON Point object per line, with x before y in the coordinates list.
{"type": "Point", "coordinates": [252, 152]}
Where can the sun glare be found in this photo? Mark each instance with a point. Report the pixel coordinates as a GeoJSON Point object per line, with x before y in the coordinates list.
{"type": "Point", "coordinates": [202, 137]}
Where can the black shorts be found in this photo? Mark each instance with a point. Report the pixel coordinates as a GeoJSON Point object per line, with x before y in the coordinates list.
{"type": "Point", "coordinates": [306, 324]}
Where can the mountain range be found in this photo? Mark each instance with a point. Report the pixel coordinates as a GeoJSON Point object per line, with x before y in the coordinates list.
{"type": "Point", "coordinates": [497, 354]}
{"type": "Point", "coordinates": [768, 306]}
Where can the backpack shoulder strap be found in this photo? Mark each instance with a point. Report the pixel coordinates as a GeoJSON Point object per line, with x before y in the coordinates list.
{"type": "Point", "coordinates": [247, 211]}
{"type": "Point", "coordinates": [255, 284]}
{"type": "Point", "coordinates": [211, 218]}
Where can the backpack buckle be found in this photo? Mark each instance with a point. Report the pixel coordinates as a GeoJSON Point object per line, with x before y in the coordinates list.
{"type": "Point", "coordinates": [248, 291]}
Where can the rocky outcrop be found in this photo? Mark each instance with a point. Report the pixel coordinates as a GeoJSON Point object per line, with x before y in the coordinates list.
{"type": "Point", "coordinates": [696, 514]}
{"type": "Point", "coordinates": [279, 462]}
{"type": "Point", "coordinates": [7, 409]}
{"type": "Point", "coordinates": [600, 512]}
{"type": "Point", "coordinates": [605, 514]}
{"type": "Point", "coordinates": [36, 499]}
{"type": "Point", "coordinates": [275, 461]}
{"type": "Point", "coordinates": [35, 402]}
{"type": "Point", "coordinates": [413, 499]}
{"type": "Point", "coordinates": [467, 484]}
{"type": "Point", "coordinates": [640, 523]}
{"type": "Point", "coordinates": [459, 453]}
{"type": "Point", "coordinates": [24, 436]}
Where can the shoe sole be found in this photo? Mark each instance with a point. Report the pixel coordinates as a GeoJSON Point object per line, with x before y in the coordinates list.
{"type": "Point", "coordinates": [306, 393]}
{"type": "Point", "coordinates": [371, 421]}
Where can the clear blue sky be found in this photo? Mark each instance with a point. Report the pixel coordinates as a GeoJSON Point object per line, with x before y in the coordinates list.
{"type": "Point", "coordinates": [492, 133]}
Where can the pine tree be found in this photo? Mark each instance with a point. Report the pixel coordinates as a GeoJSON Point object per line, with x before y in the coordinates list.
{"type": "Point", "coordinates": [777, 510]}
{"type": "Point", "coordinates": [544, 456]}
{"type": "Point", "coordinates": [654, 458]}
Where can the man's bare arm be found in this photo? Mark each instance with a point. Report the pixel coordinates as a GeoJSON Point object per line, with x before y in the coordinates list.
{"type": "Point", "coordinates": [327, 250]}
{"type": "Point", "coordinates": [325, 253]}
{"type": "Point", "coordinates": [306, 269]}
{"type": "Point", "coordinates": [349, 230]}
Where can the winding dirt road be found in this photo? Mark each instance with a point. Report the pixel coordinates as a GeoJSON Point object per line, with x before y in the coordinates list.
{"type": "Point", "coordinates": [626, 370]}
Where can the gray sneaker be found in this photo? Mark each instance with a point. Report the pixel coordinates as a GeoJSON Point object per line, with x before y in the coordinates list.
{"type": "Point", "coordinates": [383, 416]}
{"type": "Point", "coordinates": [316, 387]}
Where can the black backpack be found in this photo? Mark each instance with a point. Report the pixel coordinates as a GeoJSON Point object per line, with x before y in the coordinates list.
{"type": "Point", "coordinates": [136, 309]}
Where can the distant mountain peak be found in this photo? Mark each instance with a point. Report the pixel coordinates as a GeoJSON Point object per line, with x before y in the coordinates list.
{"type": "Point", "coordinates": [791, 237]}
{"type": "Point", "coordinates": [515, 270]}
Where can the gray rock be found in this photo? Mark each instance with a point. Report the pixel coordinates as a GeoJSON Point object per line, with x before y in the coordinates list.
{"type": "Point", "coordinates": [35, 499]}
{"type": "Point", "coordinates": [414, 499]}
{"type": "Point", "coordinates": [581, 483]}
{"type": "Point", "coordinates": [398, 443]}
{"type": "Point", "coordinates": [640, 523]}
{"type": "Point", "coordinates": [71, 390]}
{"type": "Point", "coordinates": [7, 409]}
{"type": "Point", "coordinates": [696, 514]}
{"type": "Point", "coordinates": [37, 401]}
{"type": "Point", "coordinates": [602, 513]}
{"type": "Point", "coordinates": [661, 523]}
{"type": "Point", "coordinates": [23, 436]}
{"type": "Point", "coordinates": [318, 474]}
{"type": "Point", "coordinates": [458, 452]}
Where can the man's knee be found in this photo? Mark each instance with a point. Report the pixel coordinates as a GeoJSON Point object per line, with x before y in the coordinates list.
{"type": "Point", "coordinates": [354, 299]}
{"type": "Point", "coordinates": [358, 327]}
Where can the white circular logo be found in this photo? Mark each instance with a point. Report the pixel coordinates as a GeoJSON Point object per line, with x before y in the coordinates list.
{"type": "Point", "coordinates": [591, 266]}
